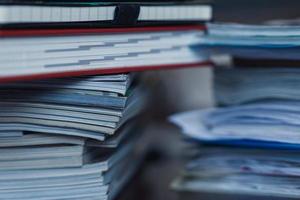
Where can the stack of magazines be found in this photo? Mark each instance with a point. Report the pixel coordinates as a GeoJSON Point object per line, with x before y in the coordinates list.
{"type": "Point", "coordinates": [249, 145]}
{"type": "Point", "coordinates": [69, 138]}
{"type": "Point", "coordinates": [69, 100]}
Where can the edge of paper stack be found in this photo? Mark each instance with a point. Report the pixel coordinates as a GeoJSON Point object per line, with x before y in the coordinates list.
{"type": "Point", "coordinates": [66, 139]}
{"type": "Point", "coordinates": [248, 146]}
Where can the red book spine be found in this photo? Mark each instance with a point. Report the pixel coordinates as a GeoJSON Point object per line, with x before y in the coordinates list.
{"type": "Point", "coordinates": [100, 71]}
{"type": "Point", "coordinates": [91, 31]}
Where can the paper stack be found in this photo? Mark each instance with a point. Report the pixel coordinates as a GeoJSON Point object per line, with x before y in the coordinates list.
{"type": "Point", "coordinates": [68, 138]}
{"type": "Point", "coordinates": [67, 132]}
{"type": "Point", "coordinates": [249, 145]}
{"type": "Point", "coordinates": [273, 40]}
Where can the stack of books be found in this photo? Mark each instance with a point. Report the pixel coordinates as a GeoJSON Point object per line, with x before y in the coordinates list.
{"type": "Point", "coordinates": [249, 145]}
{"type": "Point", "coordinates": [68, 102]}
{"type": "Point", "coordinates": [120, 37]}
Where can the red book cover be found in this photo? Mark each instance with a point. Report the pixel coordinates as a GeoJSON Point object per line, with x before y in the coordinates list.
{"type": "Point", "coordinates": [92, 31]}
{"type": "Point", "coordinates": [101, 71]}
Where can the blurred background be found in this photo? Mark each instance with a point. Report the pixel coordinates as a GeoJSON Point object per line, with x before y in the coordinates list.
{"type": "Point", "coordinates": [187, 89]}
{"type": "Point", "coordinates": [191, 88]}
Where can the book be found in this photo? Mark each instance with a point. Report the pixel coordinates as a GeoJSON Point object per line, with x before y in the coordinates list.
{"type": "Point", "coordinates": [36, 138]}
{"type": "Point", "coordinates": [48, 57]}
{"type": "Point", "coordinates": [41, 157]}
{"type": "Point", "coordinates": [106, 14]}
{"type": "Point", "coordinates": [101, 177]}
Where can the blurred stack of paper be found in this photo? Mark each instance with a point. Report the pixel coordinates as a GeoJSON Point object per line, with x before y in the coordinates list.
{"type": "Point", "coordinates": [255, 173]}
{"type": "Point", "coordinates": [243, 85]}
{"type": "Point", "coordinates": [249, 146]}
{"type": "Point", "coordinates": [71, 138]}
{"type": "Point", "coordinates": [279, 41]}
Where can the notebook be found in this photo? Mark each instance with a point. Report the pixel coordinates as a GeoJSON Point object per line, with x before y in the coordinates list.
{"type": "Point", "coordinates": [68, 55]}
{"type": "Point", "coordinates": [61, 14]}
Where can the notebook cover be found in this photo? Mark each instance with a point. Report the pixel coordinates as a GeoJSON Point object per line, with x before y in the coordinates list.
{"type": "Point", "coordinates": [125, 15]}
